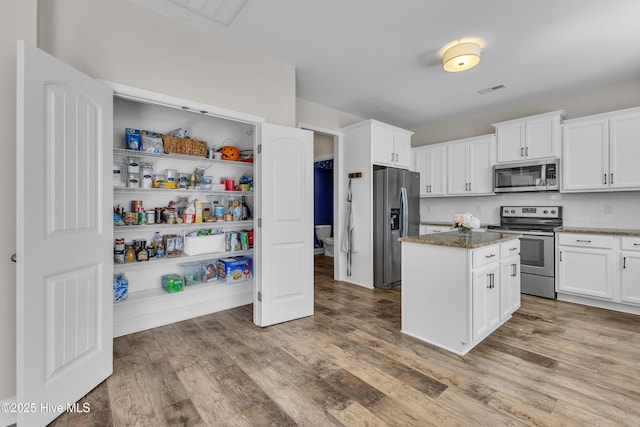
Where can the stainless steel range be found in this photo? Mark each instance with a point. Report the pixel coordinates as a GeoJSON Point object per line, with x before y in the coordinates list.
{"type": "Point", "coordinates": [537, 252]}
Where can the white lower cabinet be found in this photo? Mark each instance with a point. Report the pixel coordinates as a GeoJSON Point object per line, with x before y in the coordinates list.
{"type": "Point", "coordinates": [630, 278]}
{"type": "Point", "coordinates": [599, 270]}
{"type": "Point", "coordinates": [586, 272]}
{"type": "Point", "coordinates": [437, 229]}
{"type": "Point", "coordinates": [630, 271]}
{"type": "Point", "coordinates": [486, 300]}
{"type": "Point", "coordinates": [452, 297]}
{"type": "Point", "coordinates": [509, 278]}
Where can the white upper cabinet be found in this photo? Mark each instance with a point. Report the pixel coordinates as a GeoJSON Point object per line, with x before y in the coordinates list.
{"type": "Point", "coordinates": [585, 155]}
{"type": "Point", "coordinates": [391, 145]}
{"type": "Point", "coordinates": [529, 138]}
{"type": "Point", "coordinates": [624, 150]}
{"type": "Point", "coordinates": [430, 163]}
{"type": "Point", "coordinates": [599, 153]}
{"type": "Point", "coordinates": [469, 166]}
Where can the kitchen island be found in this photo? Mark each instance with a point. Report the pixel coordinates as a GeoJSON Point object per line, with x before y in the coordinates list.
{"type": "Point", "coordinates": [457, 290]}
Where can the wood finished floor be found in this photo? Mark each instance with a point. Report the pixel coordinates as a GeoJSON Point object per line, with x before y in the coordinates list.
{"type": "Point", "coordinates": [552, 364]}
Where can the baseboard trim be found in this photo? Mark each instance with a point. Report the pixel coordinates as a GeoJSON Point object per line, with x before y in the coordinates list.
{"type": "Point", "coordinates": [593, 302]}
{"type": "Point", "coordinates": [144, 315]}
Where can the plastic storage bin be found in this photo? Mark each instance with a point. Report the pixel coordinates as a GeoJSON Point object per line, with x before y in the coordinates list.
{"type": "Point", "coordinates": [197, 245]}
{"type": "Point", "coordinates": [192, 273]}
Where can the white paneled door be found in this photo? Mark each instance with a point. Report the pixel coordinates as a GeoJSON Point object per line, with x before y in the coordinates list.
{"type": "Point", "coordinates": [284, 288]}
{"type": "Point", "coordinates": [64, 248]}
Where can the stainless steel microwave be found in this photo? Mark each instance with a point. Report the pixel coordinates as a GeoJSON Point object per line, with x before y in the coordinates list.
{"type": "Point", "coordinates": [534, 175]}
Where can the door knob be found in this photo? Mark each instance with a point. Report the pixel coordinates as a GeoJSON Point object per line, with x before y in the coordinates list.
{"type": "Point", "coordinates": [13, 258]}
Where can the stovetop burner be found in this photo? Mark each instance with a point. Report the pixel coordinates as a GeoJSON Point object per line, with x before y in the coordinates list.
{"type": "Point", "coordinates": [533, 219]}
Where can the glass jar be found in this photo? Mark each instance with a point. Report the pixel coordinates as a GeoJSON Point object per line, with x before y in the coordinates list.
{"type": "Point", "coordinates": [129, 253]}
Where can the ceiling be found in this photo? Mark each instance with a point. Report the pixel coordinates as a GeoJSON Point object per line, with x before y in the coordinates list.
{"type": "Point", "coordinates": [381, 59]}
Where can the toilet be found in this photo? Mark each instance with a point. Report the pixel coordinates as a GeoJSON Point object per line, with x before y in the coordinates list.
{"type": "Point", "coordinates": [328, 246]}
{"type": "Point", "coordinates": [323, 232]}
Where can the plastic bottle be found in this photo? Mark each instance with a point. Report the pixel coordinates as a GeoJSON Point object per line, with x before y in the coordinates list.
{"type": "Point", "coordinates": [158, 245]}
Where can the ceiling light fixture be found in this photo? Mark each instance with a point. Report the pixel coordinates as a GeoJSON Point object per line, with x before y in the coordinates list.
{"type": "Point", "coordinates": [461, 57]}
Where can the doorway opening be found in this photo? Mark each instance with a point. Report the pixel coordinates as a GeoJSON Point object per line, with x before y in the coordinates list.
{"type": "Point", "coordinates": [328, 189]}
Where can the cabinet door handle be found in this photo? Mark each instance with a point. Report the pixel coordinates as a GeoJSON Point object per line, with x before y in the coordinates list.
{"type": "Point", "coordinates": [515, 270]}
{"type": "Point", "coordinates": [583, 241]}
{"type": "Point", "coordinates": [605, 179]}
{"type": "Point", "coordinates": [469, 186]}
{"type": "Point", "coordinates": [636, 244]}
{"type": "Point", "coordinates": [560, 256]}
{"type": "Point", "coordinates": [513, 249]}
{"type": "Point", "coordinates": [526, 152]}
{"type": "Point", "coordinates": [611, 178]}
{"type": "Point", "coordinates": [521, 151]}
{"type": "Point", "coordinates": [489, 278]}
{"type": "Point", "coordinates": [392, 157]}
{"type": "Point", "coordinates": [490, 256]}
{"type": "Point", "coordinates": [624, 262]}
{"type": "Point", "coordinates": [396, 157]}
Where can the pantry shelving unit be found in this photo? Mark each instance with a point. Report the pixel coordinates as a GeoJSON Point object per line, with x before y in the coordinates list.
{"type": "Point", "coordinates": [147, 304]}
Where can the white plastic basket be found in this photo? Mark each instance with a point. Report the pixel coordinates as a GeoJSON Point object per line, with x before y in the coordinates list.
{"type": "Point", "coordinates": [198, 245]}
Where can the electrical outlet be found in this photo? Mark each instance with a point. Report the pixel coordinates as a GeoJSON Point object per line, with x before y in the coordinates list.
{"type": "Point", "coordinates": [609, 209]}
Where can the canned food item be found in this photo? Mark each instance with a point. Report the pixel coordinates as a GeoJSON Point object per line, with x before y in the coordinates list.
{"type": "Point", "coordinates": [218, 211]}
{"type": "Point", "coordinates": [130, 218]}
{"type": "Point", "coordinates": [135, 205]}
{"type": "Point", "coordinates": [151, 217]}
{"type": "Point", "coordinates": [119, 245]}
{"type": "Point", "coordinates": [228, 217]}
{"type": "Point", "coordinates": [142, 218]}
{"type": "Point", "coordinates": [158, 215]}
{"type": "Point", "coordinates": [172, 175]}
{"type": "Point", "coordinates": [118, 258]}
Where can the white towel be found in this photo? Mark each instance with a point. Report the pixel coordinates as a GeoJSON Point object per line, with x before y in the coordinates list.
{"type": "Point", "coordinates": [349, 237]}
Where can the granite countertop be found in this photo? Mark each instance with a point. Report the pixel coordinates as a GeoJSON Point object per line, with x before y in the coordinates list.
{"type": "Point", "coordinates": [438, 223]}
{"type": "Point", "coordinates": [607, 231]}
{"type": "Point", "coordinates": [453, 239]}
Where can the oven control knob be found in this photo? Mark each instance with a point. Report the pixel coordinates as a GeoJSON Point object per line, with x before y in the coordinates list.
{"type": "Point", "coordinates": [506, 211]}
{"type": "Point", "coordinates": [513, 211]}
{"type": "Point", "coordinates": [553, 211]}
{"type": "Point", "coordinates": [545, 211]}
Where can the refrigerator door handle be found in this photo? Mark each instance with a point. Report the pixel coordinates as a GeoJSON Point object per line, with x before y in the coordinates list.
{"type": "Point", "coordinates": [404, 212]}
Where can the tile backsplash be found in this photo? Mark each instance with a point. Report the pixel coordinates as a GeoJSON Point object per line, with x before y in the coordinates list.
{"type": "Point", "coordinates": [601, 210]}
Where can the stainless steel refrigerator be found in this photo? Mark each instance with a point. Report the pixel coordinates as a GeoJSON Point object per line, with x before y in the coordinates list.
{"type": "Point", "coordinates": [396, 213]}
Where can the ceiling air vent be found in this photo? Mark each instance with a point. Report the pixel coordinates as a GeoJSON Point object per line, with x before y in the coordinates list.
{"type": "Point", "coordinates": [222, 11]}
{"type": "Point", "coordinates": [491, 89]}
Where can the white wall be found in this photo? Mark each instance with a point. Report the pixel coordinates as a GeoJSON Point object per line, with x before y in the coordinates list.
{"type": "Point", "coordinates": [323, 117]}
{"type": "Point", "coordinates": [19, 23]}
{"type": "Point", "coordinates": [584, 103]}
{"type": "Point", "coordinates": [579, 210]}
{"type": "Point", "coordinates": [322, 146]}
{"type": "Point", "coordinates": [120, 41]}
